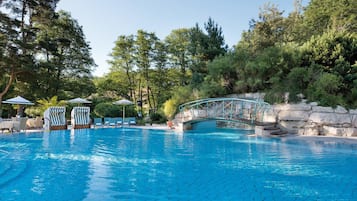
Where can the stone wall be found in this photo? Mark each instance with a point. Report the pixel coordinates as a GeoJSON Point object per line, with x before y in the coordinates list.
{"type": "Point", "coordinates": [311, 119]}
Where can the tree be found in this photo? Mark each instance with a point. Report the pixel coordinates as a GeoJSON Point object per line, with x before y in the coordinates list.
{"type": "Point", "coordinates": [267, 31]}
{"type": "Point", "coordinates": [204, 48]}
{"type": "Point", "coordinates": [334, 52]}
{"type": "Point", "coordinates": [49, 102]}
{"type": "Point", "coordinates": [144, 51]}
{"type": "Point", "coordinates": [326, 90]}
{"type": "Point", "coordinates": [297, 82]}
{"type": "Point", "coordinates": [215, 40]}
{"type": "Point", "coordinates": [179, 56]}
{"type": "Point", "coordinates": [159, 78]}
{"type": "Point", "coordinates": [123, 58]}
{"type": "Point", "coordinates": [294, 26]}
{"type": "Point", "coordinates": [64, 58]}
{"type": "Point", "coordinates": [323, 15]}
{"type": "Point", "coordinates": [198, 44]}
{"type": "Point", "coordinates": [221, 77]}
{"type": "Point", "coordinates": [113, 85]}
{"type": "Point", "coordinates": [17, 35]}
{"type": "Point", "coordinates": [181, 95]}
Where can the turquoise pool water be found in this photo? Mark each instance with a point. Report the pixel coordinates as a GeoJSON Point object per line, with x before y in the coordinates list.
{"type": "Point", "coordinates": [213, 164]}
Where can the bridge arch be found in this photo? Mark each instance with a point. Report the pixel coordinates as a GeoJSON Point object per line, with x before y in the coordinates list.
{"type": "Point", "coordinates": [239, 110]}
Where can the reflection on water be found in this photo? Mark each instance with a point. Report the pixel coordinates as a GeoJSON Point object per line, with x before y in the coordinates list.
{"type": "Point", "coordinates": [209, 164]}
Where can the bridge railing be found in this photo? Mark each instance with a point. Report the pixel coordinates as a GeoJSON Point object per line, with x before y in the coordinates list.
{"type": "Point", "coordinates": [198, 102]}
{"type": "Point", "coordinates": [234, 109]}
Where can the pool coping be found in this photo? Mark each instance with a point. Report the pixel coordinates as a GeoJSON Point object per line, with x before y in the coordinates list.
{"type": "Point", "coordinates": [165, 127]}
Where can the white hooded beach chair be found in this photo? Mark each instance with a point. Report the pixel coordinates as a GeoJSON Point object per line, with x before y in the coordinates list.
{"type": "Point", "coordinates": [80, 117]}
{"type": "Point", "coordinates": [55, 118]}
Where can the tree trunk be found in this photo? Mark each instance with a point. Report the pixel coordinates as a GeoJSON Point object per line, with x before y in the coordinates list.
{"type": "Point", "coordinates": [131, 84]}
{"type": "Point", "coordinates": [6, 89]}
{"type": "Point", "coordinates": [148, 95]}
{"type": "Point", "coordinates": [154, 102]}
{"type": "Point", "coordinates": [183, 70]}
{"type": "Point", "coordinates": [140, 96]}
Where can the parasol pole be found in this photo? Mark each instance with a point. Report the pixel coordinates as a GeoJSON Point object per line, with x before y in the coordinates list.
{"type": "Point", "coordinates": [123, 115]}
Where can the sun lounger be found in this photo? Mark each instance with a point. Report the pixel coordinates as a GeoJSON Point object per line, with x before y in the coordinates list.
{"type": "Point", "coordinates": [98, 122]}
{"type": "Point", "coordinates": [112, 122]}
{"type": "Point", "coordinates": [118, 121]}
{"type": "Point", "coordinates": [129, 121]}
{"type": "Point", "coordinates": [132, 121]}
{"type": "Point", "coordinates": [108, 121]}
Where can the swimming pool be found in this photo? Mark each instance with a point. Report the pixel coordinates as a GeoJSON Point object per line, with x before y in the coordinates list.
{"type": "Point", "coordinates": [136, 164]}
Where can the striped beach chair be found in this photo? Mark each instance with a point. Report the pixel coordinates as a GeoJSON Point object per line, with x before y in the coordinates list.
{"type": "Point", "coordinates": [80, 117]}
{"type": "Point", "coordinates": [55, 118]}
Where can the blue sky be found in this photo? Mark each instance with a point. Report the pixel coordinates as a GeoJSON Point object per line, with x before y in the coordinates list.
{"type": "Point", "coordinates": [104, 20]}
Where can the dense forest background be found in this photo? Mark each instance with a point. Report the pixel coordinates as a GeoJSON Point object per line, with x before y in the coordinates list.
{"type": "Point", "coordinates": [309, 53]}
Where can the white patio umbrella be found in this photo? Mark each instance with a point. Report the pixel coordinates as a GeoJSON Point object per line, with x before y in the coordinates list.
{"type": "Point", "coordinates": [123, 102]}
{"type": "Point", "coordinates": [18, 100]}
{"type": "Point", "coordinates": [79, 101]}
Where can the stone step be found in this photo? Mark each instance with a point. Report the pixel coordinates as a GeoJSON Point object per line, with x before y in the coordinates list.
{"type": "Point", "coordinates": [258, 123]}
{"type": "Point", "coordinates": [279, 133]}
{"type": "Point", "coordinates": [271, 128]}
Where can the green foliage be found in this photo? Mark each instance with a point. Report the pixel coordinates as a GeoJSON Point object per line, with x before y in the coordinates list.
{"type": "Point", "coordinates": [267, 31]}
{"type": "Point", "coordinates": [107, 110]}
{"type": "Point", "coordinates": [157, 118]}
{"type": "Point", "coordinates": [178, 52]}
{"type": "Point", "coordinates": [170, 108]}
{"type": "Point", "coordinates": [43, 52]}
{"type": "Point", "coordinates": [123, 59]}
{"type": "Point", "coordinates": [297, 82]}
{"type": "Point", "coordinates": [221, 77]}
{"type": "Point", "coordinates": [325, 90]}
{"type": "Point", "coordinates": [353, 98]}
{"type": "Point", "coordinates": [274, 97]}
{"type": "Point", "coordinates": [215, 40]}
{"type": "Point", "coordinates": [331, 50]}
{"type": "Point", "coordinates": [265, 71]}
{"type": "Point", "coordinates": [322, 15]}
{"type": "Point", "coordinates": [211, 88]}
{"type": "Point", "coordinates": [33, 111]}
{"type": "Point", "coordinates": [112, 85]}
{"type": "Point", "coordinates": [312, 51]}
{"type": "Point", "coordinates": [182, 95]}
{"type": "Point", "coordinates": [204, 48]}
{"type": "Point", "coordinates": [295, 30]}
{"type": "Point", "coordinates": [334, 53]}
{"type": "Point", "coordinates": [66, 64]}
{"type": "Point", "coordinates": [46, 103]}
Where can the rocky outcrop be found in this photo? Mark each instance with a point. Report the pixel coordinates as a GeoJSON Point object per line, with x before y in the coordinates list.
{"type": "Point", "coordinates": [311, 119]}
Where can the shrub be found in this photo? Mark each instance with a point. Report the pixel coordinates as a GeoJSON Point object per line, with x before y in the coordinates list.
{"type": "Point", "coordinates": [157, 118]}
{"type": "Point", "coordinates": [325, 90]}
{"type": "Point", "coordinates": [170, 108]}
{"type": "Point", "coordinates": [182, 95]}
{"type": "Point", "coordinates": [33, 111]}
{"type": "Point", "coordinates": [297, 81]}
{"type": "Point", "coordinates": [107, 110]}
{"type": "Point", "coordinates": [274, 97]}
